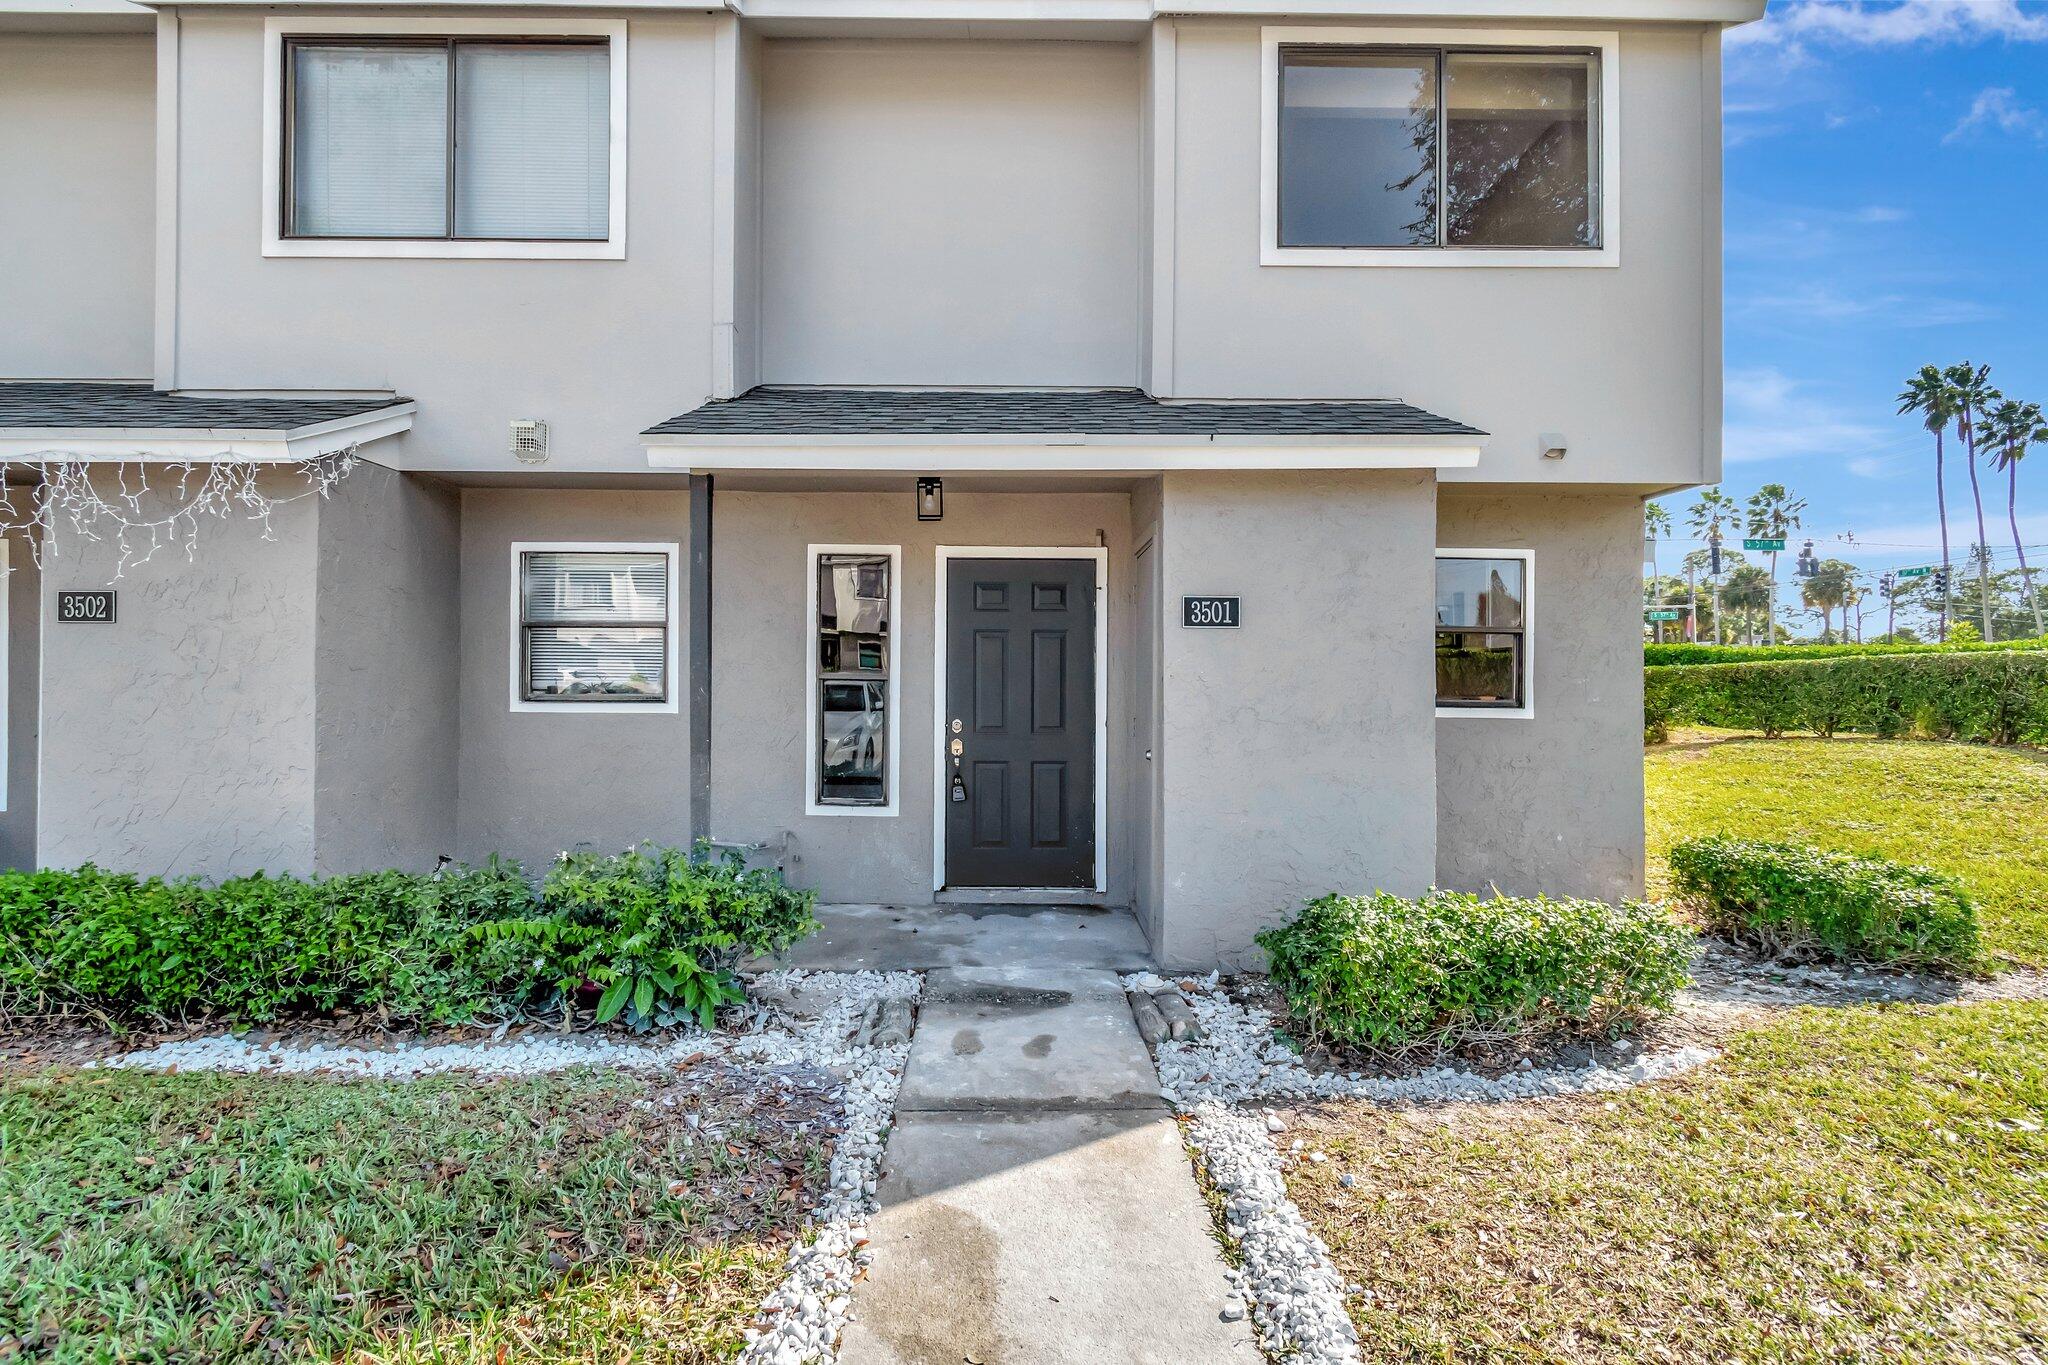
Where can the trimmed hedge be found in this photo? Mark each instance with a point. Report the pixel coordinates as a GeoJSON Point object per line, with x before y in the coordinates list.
{"type": "Point", "coordinates": [1388, 974]}
{"type": "Point", "coordinates": [449, 947]}
{"type": "Point", "coordinates": [1797, 901]}
{"type": "Point", "coordinates": [1998, 697]}
{"type": "Point", "coordinates": [1666, 656]}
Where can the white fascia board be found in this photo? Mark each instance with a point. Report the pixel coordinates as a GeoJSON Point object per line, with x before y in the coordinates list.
{"type": "Point", "coordinates": [1549, 11]}
{"type": "Point", "coordinates": [171, 445]}
{"type": "Point", "coordinates": [1042, 11]}
{"type": "Point", "coordinates": [957, 456]}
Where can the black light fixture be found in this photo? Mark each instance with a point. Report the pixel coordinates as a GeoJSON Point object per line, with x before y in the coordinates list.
{"type": "Point", "coordinates": [931, 499]}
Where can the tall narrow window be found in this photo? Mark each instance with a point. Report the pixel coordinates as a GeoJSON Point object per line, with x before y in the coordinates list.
{"type": "Point", "coordinates": [450, 139]}
{"type": "Point", "coordinates": [854, 662]}
{"type": "Point", "coordinates": [1482, 623]}
{"type": "Point", "coordinates": [594, 626]}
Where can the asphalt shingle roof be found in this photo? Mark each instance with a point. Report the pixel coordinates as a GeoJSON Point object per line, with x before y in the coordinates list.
{"type": "Point", "coordinates": [796, 412]}
{"type": "Point", "coordinates": [88, 406]}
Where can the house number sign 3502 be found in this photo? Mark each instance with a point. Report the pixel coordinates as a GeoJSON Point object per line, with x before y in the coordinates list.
{"type": "Point", "coordinates": [1214, 613]}
{"type": "Point", "coordinates": [96, 607]}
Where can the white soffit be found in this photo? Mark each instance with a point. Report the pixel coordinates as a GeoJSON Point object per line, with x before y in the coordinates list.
{"type": "Point", "coordinates": [1010, 454]}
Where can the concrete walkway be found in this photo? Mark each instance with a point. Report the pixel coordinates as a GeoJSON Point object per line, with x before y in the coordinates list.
{"type": "Point", "coordinates": [1036, 1202]}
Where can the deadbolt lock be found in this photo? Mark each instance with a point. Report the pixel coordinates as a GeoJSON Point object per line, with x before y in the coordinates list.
{"type": "Point", "coordinates": [956, 748]}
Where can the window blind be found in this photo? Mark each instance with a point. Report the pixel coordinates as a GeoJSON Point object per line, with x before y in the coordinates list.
{"type": "Point", "coordinates": [595, 625]}
{"type": "Point", "coordinates": [532, 140]}
{"type": "Point", "coordinates": [370, 141]}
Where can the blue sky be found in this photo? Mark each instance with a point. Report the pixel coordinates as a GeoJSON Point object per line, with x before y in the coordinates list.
{"type": "Point", "coordinates": [1887, 206]}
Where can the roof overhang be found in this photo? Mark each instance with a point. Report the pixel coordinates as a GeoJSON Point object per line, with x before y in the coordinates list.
{"type": "Point", "coordinates": [171, 445]}
{"type": "Point", "coordinates": [1026, 13]}
{"type": "Point", "coordinates": [1054, 453]}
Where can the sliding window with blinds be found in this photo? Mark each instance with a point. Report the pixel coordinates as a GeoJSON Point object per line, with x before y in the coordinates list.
{"type": "Point", "coordinates": [449, 139]}
{"type": "Point", "coordinates": [594, 625]}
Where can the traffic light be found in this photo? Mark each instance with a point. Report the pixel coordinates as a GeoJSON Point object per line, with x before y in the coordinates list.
{"type": "Point", "coordinates": [1941, 581]}
{"type": "Point", "coordinates": [1714, 554]}
{"type": "Point", "coordinates": [1885, 582]}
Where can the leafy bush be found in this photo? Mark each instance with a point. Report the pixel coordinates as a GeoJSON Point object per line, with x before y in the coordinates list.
{"type": "Point", "coordinates": [1389, 974]}
{"type": "Point", "coordinates": [1665, 656]}
{"type": "Point", "coordinates": [449, 947]}
{"type": "Point", "coordinates": [1799, 901]}
{"type": "Point", "coordinates": [2000, 697]}
{"type": "Point", "coordinates": [658, 930]}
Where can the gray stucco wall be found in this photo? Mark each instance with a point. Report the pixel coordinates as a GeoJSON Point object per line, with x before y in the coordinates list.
{"type": "Point", "coordinates": [536, 783]}
{"type": "Point", "coordinates": [385, 672]}
{"type": "Point", "coordinates": [1143, 739]}
{"type": "Point", "coordinates": [180, 738]}
{"type": "Point", "coordinates": [1299, 752]}
{"type": "Point", "coordinates": [762, 665]}
{"type": "Point", "coordinates": [950, 213]}
{"type": "Point", "coordinates": [1554, 803]}
{"type": "Point", "coordinates": [77, 233]}
{"type": "Point", "coordinates": [1624, 361]}
{"type": "Point", "coordinates": [600, 349]}
{"type": "Point", "coordinates": [23, 683]}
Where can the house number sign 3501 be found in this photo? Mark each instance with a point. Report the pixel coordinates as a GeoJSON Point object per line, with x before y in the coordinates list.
{"type": "Point", "coordinates": [96, 607]}
{"type": "Point", "coordinates": [1214, 613]}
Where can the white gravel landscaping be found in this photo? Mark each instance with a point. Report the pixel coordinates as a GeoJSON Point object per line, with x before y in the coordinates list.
{"type": "Point", "coordinates": [1294, 1294]}
{"type": "Point", "coordinates": [821, 1019]}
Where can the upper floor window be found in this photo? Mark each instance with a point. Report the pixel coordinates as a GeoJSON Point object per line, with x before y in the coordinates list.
{"type": "Point", "coordinates": [1396, 150]}
{"type": "Point", "coordinates": [1438, 148]}
{"type": "Point", "coordinates": [451, 138]}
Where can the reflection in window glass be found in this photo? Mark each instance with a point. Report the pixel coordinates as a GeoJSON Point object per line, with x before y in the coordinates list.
{"type": "Point", "coordinates": [594, 625]}
{"type": "Point", "coordinates": [1481, 617]}
{"type": "Point", "coordinates": [1357, 148]}
{"type": "Point", "coordinates": [853, 679]}
{"type": "Point", "coordinates": [1518, 169]}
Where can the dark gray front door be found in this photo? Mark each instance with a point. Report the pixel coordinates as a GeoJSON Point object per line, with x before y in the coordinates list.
{"type": "Point", "coordinates": [1020, 702]}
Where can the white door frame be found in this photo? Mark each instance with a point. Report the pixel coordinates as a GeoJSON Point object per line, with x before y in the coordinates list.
{"type": "Point", "coordinates": [1099, 554]}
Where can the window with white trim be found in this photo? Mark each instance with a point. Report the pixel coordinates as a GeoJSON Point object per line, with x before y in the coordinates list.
{"type": "Point", "coordinates": [1482, 630]}
{"type": "Point", "coordinates": [596, 626]}
{"type": "Point", "coordinates": [456, 139]}
{"type": "Point", "coordinates": [853, 674]}
{"type": "Point", "coordinates": [1438, 147]}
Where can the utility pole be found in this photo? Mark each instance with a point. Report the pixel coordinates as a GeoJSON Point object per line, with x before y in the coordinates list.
{"type": "Point", "coordinates": [1714, 577]}
{"type": "Point", "coordinates": [1891, 606]}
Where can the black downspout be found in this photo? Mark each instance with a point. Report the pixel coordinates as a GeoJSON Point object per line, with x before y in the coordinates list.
{"type": "Point", "coordinates": [700, 657]}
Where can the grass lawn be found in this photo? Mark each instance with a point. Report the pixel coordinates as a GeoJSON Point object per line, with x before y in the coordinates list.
{"type": "Point", "coordinates": [1848, 1184]}
{"type": "Point", "coordinates": [1976, 812]}
{"type": "Point", "coordinates": [573, 1217]}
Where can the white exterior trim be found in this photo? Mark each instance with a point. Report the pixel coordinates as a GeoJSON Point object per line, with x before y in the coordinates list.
{"type": "Point", "coordinates": [955, 454]}
{"type": "Point", "coordinates": [1099, 554]}
{"type": "Point", "coordinates": [1135, 11]}
{"type": "Point", "coordinates": [200, 445]}
{"type": "Point", "coordinates": [1607, 43]}
{"type": "Point", "coordinates": [1527, 710]}
{"type": "Point", "coordinates": [275, 243]}
{"type": "Point", "coordinates": [164, 305]}
{"type": "Point", "coordinates": [671, 684]}
{"type": "Point", "coordinates": [893, 719]}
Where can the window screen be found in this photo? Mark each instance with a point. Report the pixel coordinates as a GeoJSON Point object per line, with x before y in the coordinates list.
{"type": "Point", "coordinates": [594, 625]}
{"type": "Point", "coordinates": [449, 139]}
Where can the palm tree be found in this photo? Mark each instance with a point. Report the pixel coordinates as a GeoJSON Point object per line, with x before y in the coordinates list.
{"type": "Point", "coordinates": [1831, 585]}
{"type": "Point", "coordinates": [1706, 517]}
{"type": "Point", "coordinates": [1930, 394]}
{"type": "Point", "coordinates": [1656, 525]}
{"type": "Point", "coordinates": [1748, 591]}
{"type": "Point", "coordinates": [1772, 513]}
{"type": "Point", "coordinates": [2011, 428]}
{"type": "Point", "coordinates": [1974, 395]}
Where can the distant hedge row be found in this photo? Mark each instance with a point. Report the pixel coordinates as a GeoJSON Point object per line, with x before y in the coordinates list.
{"type": "Point", "coordinates": [1997, 696]}
{"type": "Point", "coordinates": [1665, 656]}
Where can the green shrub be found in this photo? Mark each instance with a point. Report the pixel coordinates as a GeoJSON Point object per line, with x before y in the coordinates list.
{"type": "Point", "coordinates": [1388, 974]}
{"type": "Point", "coordinates": [1794, 900]}
{"type": "Point", "coordinates": [657, 929]}
{"type": "Point", "coordinates": [2000, 697]}
{"type": "Point", "coordinates": [1665, 656]}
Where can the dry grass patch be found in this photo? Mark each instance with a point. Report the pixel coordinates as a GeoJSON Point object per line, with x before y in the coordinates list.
{"type": "Point", "coordinates": [1845, 1184]}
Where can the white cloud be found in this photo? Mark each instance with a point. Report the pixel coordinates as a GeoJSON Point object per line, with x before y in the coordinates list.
{"type": "Point", "coordinates": [1854, 23]}
{"type": "Point", "coordinates": [1821, 304]}
{"type": "Point", "coordinates": [1999, 107]}
{"type": "Point", "coordinates": [1770, 416]}
{"type": "Point", "coordinates": [1879, 213]}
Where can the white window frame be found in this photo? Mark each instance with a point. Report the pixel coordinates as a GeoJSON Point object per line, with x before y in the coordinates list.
{"type": "Point", "coordinates": [892, 718]}
{"type": "Point", "coordinates": [1527, 710]}
{"type": "Point", "coordinates": [1605, 42]}
{"type": "Point", "coordinates": [275, 243]}
{"type": "Point", "coordinates": [1097, 555]}
{"type": "Point", "coordinates": [671, 685]}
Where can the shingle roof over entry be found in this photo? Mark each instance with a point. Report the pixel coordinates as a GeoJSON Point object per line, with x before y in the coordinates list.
{"type": "Point", "coordinates": [770, 411]}
{"type": "Point", "coordinates": [100, 407]}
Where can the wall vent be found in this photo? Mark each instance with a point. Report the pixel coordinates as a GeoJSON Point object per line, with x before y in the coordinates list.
{"type": "Point", "coordinates": [529, 440]}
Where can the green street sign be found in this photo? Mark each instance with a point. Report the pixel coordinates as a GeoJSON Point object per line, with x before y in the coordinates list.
{"type": "Point", "coordinates": [1764, 544]}
{"type": "Point", "coordinates": [1663, 615]}
{"type": "Point", "coordinates": [1921, 572]}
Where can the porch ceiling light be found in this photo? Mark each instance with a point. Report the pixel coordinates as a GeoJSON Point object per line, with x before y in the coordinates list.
{"type": "Point", "coordinates": [931, 499]}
